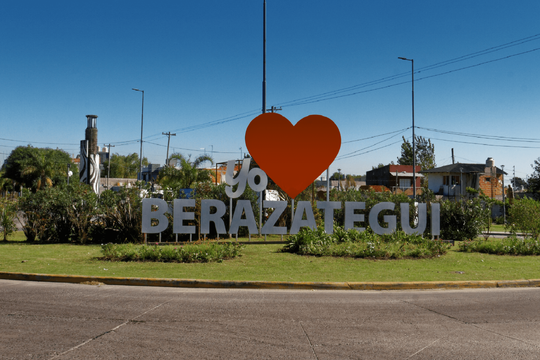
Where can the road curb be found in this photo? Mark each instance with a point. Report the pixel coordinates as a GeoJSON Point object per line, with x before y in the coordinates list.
{"type": "Point", "coordinates": [283, 285]}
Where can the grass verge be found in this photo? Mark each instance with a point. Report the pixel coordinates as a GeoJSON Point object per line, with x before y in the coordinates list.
{"type": "Point", "coordinates": [268, 263]}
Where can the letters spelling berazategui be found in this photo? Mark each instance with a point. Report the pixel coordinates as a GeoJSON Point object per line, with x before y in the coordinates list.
{"type": "Point", "coordinates": [155, 209]}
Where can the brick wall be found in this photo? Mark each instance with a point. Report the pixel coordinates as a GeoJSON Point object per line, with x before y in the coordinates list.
{"type": "Point", "coordinates": [490, 186]}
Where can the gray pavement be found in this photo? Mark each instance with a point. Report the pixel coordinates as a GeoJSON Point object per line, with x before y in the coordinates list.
{"type": "Point", "coordinates": [40, 320]}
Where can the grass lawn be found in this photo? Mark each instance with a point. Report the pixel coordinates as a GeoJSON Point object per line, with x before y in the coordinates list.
{"type": "Point", "coordinates": [265, 262]}
{"type": "Point", "coordinates": [497, 228]}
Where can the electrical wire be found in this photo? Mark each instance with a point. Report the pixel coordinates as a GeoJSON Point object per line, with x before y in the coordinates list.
{"type": "Point", "coordinates": [374, 136]}
{"type": "Point", "coordinates": [481, 136]}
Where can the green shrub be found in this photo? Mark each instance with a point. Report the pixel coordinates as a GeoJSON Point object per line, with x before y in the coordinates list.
{"type": "Point", "coordinates": [182, 253]}
{"type": "Point", "coordinates": [8, 212]}
{"type": "Point", "coordinates": [119, 218]}
{"type": "Point", "coordinates": [462, 220]}
{"type": "Point", "coordinates": [58, 214]}
{"type": "Point", "coordinates": [508, 246]}
{"type": "Point", "coordinates": [524, 216]}
{"type": "Point", "coordinates": [364, 244]}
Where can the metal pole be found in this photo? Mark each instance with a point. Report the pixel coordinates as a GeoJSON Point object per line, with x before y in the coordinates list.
{"type": "Point", "coordinates": [142, 117]}
{"type": "Point", "coordinates": [109, 166]}
{"type": "Point", "coordinates": [328, 184]}
{"type": "Point", "coordinates": [292, 211]}
{"type": "Point", "coordinates": [413, 138]}
{"type": "Point", "coordinates": [264, 60]}
{"type": "Point", "coordinates": [460, 183]}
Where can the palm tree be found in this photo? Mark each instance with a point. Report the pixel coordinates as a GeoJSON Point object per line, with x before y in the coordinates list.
{"type": "Point", "coordinates": [40, 167]}
{"type": "Point", "coordinates": [187, 174]}
{"type": "Point", "coordinates": [6, 184]}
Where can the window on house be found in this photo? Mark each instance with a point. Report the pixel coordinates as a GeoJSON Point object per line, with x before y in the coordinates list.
{"type": "Point", "coordinates": [405, 184]}
{"type": "Point", "coordinates": [451, 180]}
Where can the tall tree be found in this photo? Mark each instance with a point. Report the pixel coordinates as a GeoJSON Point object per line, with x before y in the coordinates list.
{"type": "Point", "coordinates": [425, 153]}
{"type": "Point", "coordinates": [534, 179]}
{"type": "Point", "coordinates": [36, 167]}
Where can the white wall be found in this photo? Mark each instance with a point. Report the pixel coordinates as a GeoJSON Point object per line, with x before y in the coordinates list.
{"type": "Point", "coordinates": [435, 182]}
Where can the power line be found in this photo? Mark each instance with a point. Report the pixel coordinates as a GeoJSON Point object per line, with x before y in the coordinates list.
{"type": "Point", "coordinates": [481, 136]}
{"type": "Point", "coordinates": [374, 136]}
{"type": "Point", "coordinates": [354, 153]}
{"type": "Point", "coordinates": [365, 152]}
{"type": "Point", "coordinates": [484, 144]}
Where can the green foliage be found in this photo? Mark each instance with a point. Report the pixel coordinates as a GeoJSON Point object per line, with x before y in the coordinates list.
{"type": "Point", "coordinates": [119, 217]}
{"type": "Point", "coordinates": [508, 246]}
{"type": "Point", "coordinates": [8, 212]}
{"type": "Point", "coordinates": [186, 175]}
{"type": "Point", "coordinates": [363, 245]}
{"type": "Point", "coordinates": [425, 153]}
{"type": "Point", "coordinates": [36, 168]}
{"type": "Point", "coordinates": [370, 198]}
{"type": "Point", "coordinates": [58, 214]}
{"type": "Point", "coordinates": [193, 253]}
{"type": "Point", "coordinates": [6, 184]}
{"type": "Point", "coordinates": [524, 216]}
{"type": "Point", "coordinates": [534, 180]}
{"type": "Point", "coordinates": [462, 220]}
{"type": "Point", "coordinates": [126, 166]}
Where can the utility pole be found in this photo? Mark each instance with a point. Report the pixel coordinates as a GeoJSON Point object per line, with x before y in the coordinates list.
{"type": "Point", "coordinates": [452, 156]}
{"type": "Point", "coordinates": [168, 143]}
{"type": "Point", "coordinates": [109, 166]}
{"type": "Point", "coordinates": [514, 179]}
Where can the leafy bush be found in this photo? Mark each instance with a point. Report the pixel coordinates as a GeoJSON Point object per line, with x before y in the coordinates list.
{"type": "Point", "coordinates": [8, 212]}
{"type": "Point", "coordinates": [524, 216]}
{"type": "Point", "coordinates": [508, 246]}
{"type": "Point", "coordinates": [58, 214]}
{"type": "Point", "coordinates": [363, 245]}
{"type": "Point", "coordinates": [119, 218]}
{"type": "Point", "coordinates": [182, 254]}
{"type": "Point", "coordinates": [462, 220]}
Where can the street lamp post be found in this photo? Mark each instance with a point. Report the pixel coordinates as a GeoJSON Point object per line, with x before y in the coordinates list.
{"type": "Point", "coordinates": [142, 116]}
{"type": "Point", "coordinates": [413, 139]}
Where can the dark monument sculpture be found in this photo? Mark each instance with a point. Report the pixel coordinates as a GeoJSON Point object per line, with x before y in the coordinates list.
{"type": "Point", "coordinates": [89, 166]}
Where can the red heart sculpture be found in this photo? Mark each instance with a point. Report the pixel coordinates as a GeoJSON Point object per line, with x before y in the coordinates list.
{"type": "Point", "coordinates": [293, 155]}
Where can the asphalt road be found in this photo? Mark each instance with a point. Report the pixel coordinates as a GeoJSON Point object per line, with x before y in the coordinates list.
{"type": "Point", "coordinates": [73, 321]}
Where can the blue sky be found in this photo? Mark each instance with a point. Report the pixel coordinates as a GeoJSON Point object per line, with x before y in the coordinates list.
{"type": "Point", "coordinates": [200, 64]}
